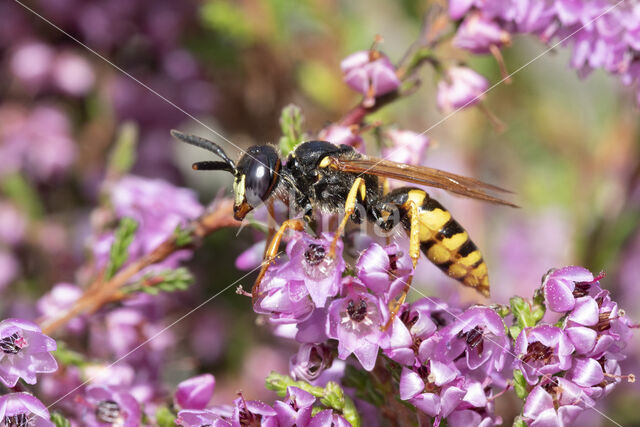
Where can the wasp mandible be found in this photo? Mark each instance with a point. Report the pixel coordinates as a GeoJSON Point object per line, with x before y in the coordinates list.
{"type": "Point", "coordinates": [337, 179]}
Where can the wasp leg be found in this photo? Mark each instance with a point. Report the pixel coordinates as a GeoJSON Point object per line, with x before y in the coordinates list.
{"type": "Point", "coordinates": [349, 209]}
{"type": "Point", "coordinates": [271, 224]}
{"type": "Point", "coordinates": [272, 250]}
{"type": "Point", "coordinates": [414, 252]}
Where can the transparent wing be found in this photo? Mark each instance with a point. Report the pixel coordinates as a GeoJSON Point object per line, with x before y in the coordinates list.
{"type": "Point", "coordinates": [457, 184]}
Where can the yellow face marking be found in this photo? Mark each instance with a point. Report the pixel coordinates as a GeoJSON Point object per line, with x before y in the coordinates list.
{"type": "Point", "coordinates": [457, 271]}
{"type": "Point", "coordinates": [238, 190]}
{"type": "Point", "coordinates": [438, 254]}
{"type": "Point", "coordinates": [470, 259]}
{"type": "Point", "coordinates": [455, 241]}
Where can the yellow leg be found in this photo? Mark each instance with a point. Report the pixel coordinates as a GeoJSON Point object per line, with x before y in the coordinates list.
{"type": "Point", "coordinates": [349, 209]}
{"type": "Point", "coordinates": [271, 224]}
{"type": "Point", "coordinates": [272, 250]}
{"type": "Point", "coordinates": [414, 253]}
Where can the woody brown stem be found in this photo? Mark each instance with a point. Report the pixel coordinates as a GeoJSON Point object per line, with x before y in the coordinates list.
{"type": "Point", "coordinates": [99, 292]}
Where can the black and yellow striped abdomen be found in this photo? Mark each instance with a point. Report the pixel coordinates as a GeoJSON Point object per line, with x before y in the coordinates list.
{"type": "Point", "coordinates": [444, 241]}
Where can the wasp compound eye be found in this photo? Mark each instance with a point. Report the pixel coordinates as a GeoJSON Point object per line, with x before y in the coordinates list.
{"type": "Point", "coordinates": [257, 174]}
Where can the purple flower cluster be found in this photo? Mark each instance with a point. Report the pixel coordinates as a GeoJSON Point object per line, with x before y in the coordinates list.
{"type": "Point", "coordinates": [603, 34]}
{"type": "Point", "coordinates": [294, 410]}
{"type": "Point", "coordinates": [448, 356]}
{"type": "Point", "coordinates": [571, 366]}
{"type": "Point", "coordinates": [38, 141]}
{"type": "Point", "coordinates": [158, 207]}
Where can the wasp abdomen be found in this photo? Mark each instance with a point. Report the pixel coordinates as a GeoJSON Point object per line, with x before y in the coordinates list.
{"type": "Point", "coordinates": [444, 241]}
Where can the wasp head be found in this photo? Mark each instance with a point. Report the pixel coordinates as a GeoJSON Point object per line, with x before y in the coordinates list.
{"type": "Point", "coordinates": [255, 176]}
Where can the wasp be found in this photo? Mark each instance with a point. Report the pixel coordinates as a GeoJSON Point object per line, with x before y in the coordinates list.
{"type": "Point", "coordinates": [338, 179]}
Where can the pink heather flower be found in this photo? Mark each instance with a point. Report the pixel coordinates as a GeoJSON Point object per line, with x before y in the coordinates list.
{"type": "Point", "coordinates": [199, 418]}
{"type": "Point", "coordinates": [309, 263]}
{"type": "Point", "coordinates": [339, 135]}
{"type": "Point", "coordinates": [284, 301]}
{"type": "Point", "coordinates": [248, 412]}
{"type": "Point", "coordinates": [73, 74]}
{"type": "Point", "coordinates": [196, 392]}
{"type": "Point", "coordinates": [559, 287]}
{"type": "Point", "coordinates": [384, 268]}
{"type": "Point", "coordinates": [22, 409]}
{"type": "Point", "coordinates": [32, 63]}
{"type": "Point", "coordinates": [328, 418]}
{"type": "Point", "coordinates": [554, 402]}
{"type": "Point", "coordinates": [541, 350]}
{"type": "Point", "coordinates": [437, 390]}
{"type": "Point", "coordinates": [110, 405]}
{"type": "Point", "coordinates": [296, 408]}
{"type": "Point", "coordinates": [477, 34]}
{"type": "Point", "coordinates": [25, 352]}
{"type": "Point", "coordinates": [407, 147]}
{"type": "Point", "coordinates": [479, 334]}
{"type": "Point", "coordinates": [410, 344]}
{"type": "Point", "coordinates": [355, 321]}
{"type": "Point", "coordinates": [310, 361]}
{"type": "Point", "coordinates": [59, 298]}
{"type": "Point", "coordinates": [370, 73]}
{"type": "Point", "coordinates": [461, 87]}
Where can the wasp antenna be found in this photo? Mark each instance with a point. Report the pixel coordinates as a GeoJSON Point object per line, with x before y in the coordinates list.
{"type": "Point", "coordinates": [206, 144]}
{"type": "Point", "coordinates": [212, 166]}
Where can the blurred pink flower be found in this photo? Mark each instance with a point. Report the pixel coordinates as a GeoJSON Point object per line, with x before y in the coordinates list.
{"type": "Point", "coordinates": [9, 268]}
{"type": "Point", "coordinates": [460, 88]}
{"type": "Point", "coordinates": [408, 147]}
{"type": "Point", "coordinates": [13, 224]}
{"type": "Point", "coordinates": [59, 298]}
{"type": "Point", "coordinates": [371, 73]}
{"type": "Point", "coordinates": [73, 74]}
{"type": "Point", "coordinates": [31, 63]}
{"type": "Point", "coordinates": [195, 392]}
{"type": "Point", "coordinates": [346, 135]}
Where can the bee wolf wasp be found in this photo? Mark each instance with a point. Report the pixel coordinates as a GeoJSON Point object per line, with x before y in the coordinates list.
{"type": "Point", "coordinates": [339, 179]}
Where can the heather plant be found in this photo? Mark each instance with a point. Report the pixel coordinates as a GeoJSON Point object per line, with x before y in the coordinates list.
{"type": "Point", "coordinates": [103, 343]}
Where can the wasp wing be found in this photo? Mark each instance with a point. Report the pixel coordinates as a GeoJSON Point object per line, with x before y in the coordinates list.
{"type": "Point", "coordinates": [457, 184]}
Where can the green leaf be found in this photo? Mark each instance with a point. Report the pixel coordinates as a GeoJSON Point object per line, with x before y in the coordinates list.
{"type": "Point", "coordinates": [362, 382]}
{"type": "Point", "coordinates": [123, 154]}
{"type": "Point", "coordinates": [164, 281]}
{"type": "Point", "coordinates": [519, 422]}
{"type": "Point", "coordinates": [525, 314]}
{"type": "Point", "coordinates": [182, 236]}
{"type": "Point", "coordinates": [279, 383]}
{"type": "Point", "coordinates": [164, 417]}
{"type": "Point", "coordinates": [59, 420]}
{"type": "Point", "coordinates": [120, 248]}
{"type": "Point", "coordinates": [520, 384]}
{"type": "Point", "coordinates": [20, 192]}
{"type": "Point", "coordinates": [331, 396]}
{"type": "Point", "coordinates": [227, 19]}
{"type": "Point", "coordinates": [291, 126]}
{"type": "Point", "coordinates": [68, 357]}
